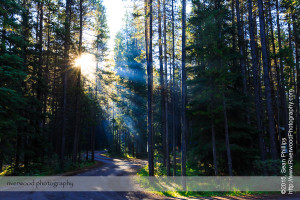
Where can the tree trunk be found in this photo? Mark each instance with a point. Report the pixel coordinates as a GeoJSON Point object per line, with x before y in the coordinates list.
{"type": "Point", "coordinates": [278, 101]}
{"type": "Point", "coordinates": [78, 88]}
{"type": "Point", "coordinates": [87, 145]}
{"type": "Point", "coordinates": [242, 56]}
{"type": "Point", "coordinates": [256, 80]}
{"type": "Point", "coordinates": [40, 63]}
{"type": "Point", "coordinates": [18, 151]}
{"type": "Point", "coordinates": [113, 130]}
{"type": "Point", "coordinates": [93, 142]}
{"type": "Point", "coordinates": [162, 88]}
{"type": "Point", "coordinates": [173, 91]}
{"type": "Point", "coordinates": [183, 88]}
{"type": "Point", "coordinates": [234, 32]}
{"type": "Point", "coordinates": [269, 103]}
{"type": "Point", "coordinates": [150, 92]}
{"type": "Point", "coordinates": [65, 81]}
{"type": "Point", "coordinates": [166, 89]}
{"type": "Point", "coordinates": [25, 33]}
{"type": "Point", "coordinates": [47, 68]}
{"type": "Point", "coordinates": [56, 138]}
{"type": "Point", "coordinates": [133, 148]}
{"type": "Point", "coordinates": [227, 138]}
{"type": "Point", "coordinates": [119, 141]}
{"type": "Point", "coordinates": [146, 31]}
{"type": "Point", "coordinates": [282, 88]}
{"type": "Point", "coordinates": [213, 141]}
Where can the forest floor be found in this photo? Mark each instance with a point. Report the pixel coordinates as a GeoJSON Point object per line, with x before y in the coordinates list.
{"type": "Point", "coordinates": [118, 167]}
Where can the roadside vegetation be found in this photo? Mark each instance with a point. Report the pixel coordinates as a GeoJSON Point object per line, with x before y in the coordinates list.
{"type": "Point", "coordinates": [42, 170]}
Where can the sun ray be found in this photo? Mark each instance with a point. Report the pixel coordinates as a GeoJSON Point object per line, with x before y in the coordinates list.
{"type": "Point", "coordinates": [87, 62]}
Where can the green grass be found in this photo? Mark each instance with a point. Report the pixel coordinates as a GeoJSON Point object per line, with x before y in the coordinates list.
{"type": "Point", "coordinates": [115, 155]}
{"type": "Point", "coordinates": [160, 171]}
{"type": "Point", "coordinates": [209, 194]}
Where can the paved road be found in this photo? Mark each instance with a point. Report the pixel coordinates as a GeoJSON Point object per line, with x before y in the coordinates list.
{"type": "Point", "coordinates": [114, 167]}
{"type": "Point", "coordinates": [111, 167]}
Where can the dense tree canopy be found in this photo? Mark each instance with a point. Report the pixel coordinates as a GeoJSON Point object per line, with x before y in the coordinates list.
{"type": "Point", "coordinates": [201, 91]}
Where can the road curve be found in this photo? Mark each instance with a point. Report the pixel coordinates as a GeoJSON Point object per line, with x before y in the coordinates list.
{"type": "Point", "coordinates": [111, 167]}
{"type": "Point", "coordinates": [116, 167]}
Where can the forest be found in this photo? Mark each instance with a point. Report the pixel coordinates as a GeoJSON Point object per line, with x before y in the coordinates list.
{"type": "Point", "coordinates": [198, 87]}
